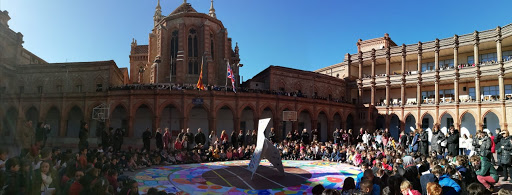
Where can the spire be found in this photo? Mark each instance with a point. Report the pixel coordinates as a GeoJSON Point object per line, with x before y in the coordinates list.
{"type": "Point", "coordinates": [212, 11]}
{"type": "Point", "coordinates": [185, 1]}
{"type": "Point", "coordinates": [158, 13]}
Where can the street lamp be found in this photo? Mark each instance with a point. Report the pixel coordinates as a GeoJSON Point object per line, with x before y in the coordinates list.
{"type": "Point", "coordinates": [157, 63]}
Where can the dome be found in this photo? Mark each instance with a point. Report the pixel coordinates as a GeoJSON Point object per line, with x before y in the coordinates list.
{"type": "Point", "coordinates": [183, 8]}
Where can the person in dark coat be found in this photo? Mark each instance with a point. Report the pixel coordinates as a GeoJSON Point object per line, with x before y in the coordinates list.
{"type": "Point", "coordinates": [505, 150]}
{"type": "Point", "coordinates": [403, 139]}
{"type": "Point", "coordinates": [254, 137]}
{"type": "Point", "coordinates": [234, 139]}
{"type": "Point", "coordinates": [159, 140]}
{"type": "Point", "coordinates": [106, 138]}
{"type": "Point", "coordinates": [453, 142]}
{"type": "Point", "coordinates": [272, 135]}
{"type": "Point", "coordinates": [435, 143]}
{"type": "Point", "coordinates": [190, 137]}
{"type": "Point", "coordinates": [305, 137]}
{"type": "Point", "coordinates": [423, 139]}
{"type": "Point", "coordinates": [484, 145]}
{"type": "Point", "coordinates": [241, 138]}
{"type": "Point", "coordinates": [83, 136]}
{"type": "Point", "coordinates": [248, 138]}
{"type": "Point", "coordinates": [181, 134]}
{"type": "Point", "coordinates": [200, 138]}
{"type": "Point", "coordinates": [146, 139]}
{"type": "Point", "coordinates": [336, 136]}
{"type": "Point", "coordinates": [497, 140]}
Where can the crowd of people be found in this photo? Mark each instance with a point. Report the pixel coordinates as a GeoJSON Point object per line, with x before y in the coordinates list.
{"type": "Point", "coordinates": [448, 163]}
{"type": "Point", "coordinates": [167, 86]}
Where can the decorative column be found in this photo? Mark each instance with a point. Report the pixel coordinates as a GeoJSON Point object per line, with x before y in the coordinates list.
{"type": "Point", "coordinates": [456, 66]}
{"type": "Point", "coordinates": [360, 80]}
{"type": "Point", "coordinates": [456, 80]}
{"type": "Point", "coordinates": [436, 62]}
{"type": "Point", "coordinates": [388, 81]}
{"type": "Point", "coordinates": [501, 74]}
{"type": "Point", "coordinates": [373, 79]}
{"type": "Point", "coordinates": [500, 61]}
{"type": "Point", "coordinates": [418, 85]}
{"type": "Point", "coordinates": [478, 119]}
{"type": "Point", "coordinates": [404, 56]}
{"type": "Point", "coordinates": [477, 66]}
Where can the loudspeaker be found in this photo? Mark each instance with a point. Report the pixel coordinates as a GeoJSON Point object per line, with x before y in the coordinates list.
{"type": "Point", "coordinates": [463, 88]}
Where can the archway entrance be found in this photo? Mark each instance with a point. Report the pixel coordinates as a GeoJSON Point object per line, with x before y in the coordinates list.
{"type": "Point", "coordinates": [468, 122]}
{"type": "Point", "coordinates": [491, 121]}
{"type": "Point", "coordinates": [143, 120]}
{"type": "Point", "coordinates": [75, 116]}
{"type": "Point", "coordinates": [225, 121]}
{"type": "Point", "coordinates": [394, 126]}
{"type": "Point", "coordinates": [410, 124]}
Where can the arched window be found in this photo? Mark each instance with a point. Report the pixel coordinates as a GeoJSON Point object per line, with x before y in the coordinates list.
{"type": "Point", "coordinates": [174, 51]}
{"type": "Point", "coordinates": [193, 64]}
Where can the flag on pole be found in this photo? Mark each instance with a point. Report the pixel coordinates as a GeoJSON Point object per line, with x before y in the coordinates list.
{"type": "Point", "coordinates": [200, 85]}
{"type": "Point", "coordinates": [231, 76]}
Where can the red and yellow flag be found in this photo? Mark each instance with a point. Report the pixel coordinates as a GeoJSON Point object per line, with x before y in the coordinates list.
{"type": "Point", "coordinates": [200, 85]}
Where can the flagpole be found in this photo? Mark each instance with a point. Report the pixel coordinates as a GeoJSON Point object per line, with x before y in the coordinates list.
{"type": "Point", "coordinates": [226, 85]}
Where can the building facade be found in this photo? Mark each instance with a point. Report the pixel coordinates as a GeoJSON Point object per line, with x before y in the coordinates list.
{"type": "Point", "coordinates": [160, 93]}
{"type": "Point", "coordinates": [465, 81]}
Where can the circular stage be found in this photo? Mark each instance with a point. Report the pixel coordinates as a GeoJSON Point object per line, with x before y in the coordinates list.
{"type": "Point", "coordinates": [232, 177]}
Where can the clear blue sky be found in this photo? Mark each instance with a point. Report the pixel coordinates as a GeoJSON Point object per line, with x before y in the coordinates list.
{"type": "Point", "coordinates": [302, 34]}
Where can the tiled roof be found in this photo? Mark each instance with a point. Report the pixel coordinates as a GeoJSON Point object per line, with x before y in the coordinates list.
{"type": "Point", "coordinates": [185, 7]}
{"type": "Point", "coordinates": [141, 49]}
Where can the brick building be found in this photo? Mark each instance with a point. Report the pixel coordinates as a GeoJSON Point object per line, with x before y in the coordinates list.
{"type": "Point", "coordinates": [157, 88]}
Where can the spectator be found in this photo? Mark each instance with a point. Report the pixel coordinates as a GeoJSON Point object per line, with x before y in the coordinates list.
{"type": "Point", "coordinates": [200, 138]}
{"type": "Point", "coordinates": [434, 188]}
{"type": "Point", "coordinates": [406, 189]}
{"type": "Point", "coordinates": [505, 149]}
{"type": "Point", "coordinates": [146, 139]}
{"type": "Point", "coordinates": [486, 174]}
{"type": "Point", "coordinates": [453, 142]}
{"type": "Point", "coordinates": [167, 138]}
{"type": "Point", "coordinates": [83, 135]}
{"type": "Point", "coordinates": [159, 140]}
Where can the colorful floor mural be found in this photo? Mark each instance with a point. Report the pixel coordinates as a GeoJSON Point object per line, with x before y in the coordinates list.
{"type": "Point", "coordinates": [187, 178]}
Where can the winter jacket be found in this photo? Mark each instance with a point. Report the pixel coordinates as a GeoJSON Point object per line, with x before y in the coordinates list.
{"type": "Point", "coordinates": [453, 144]}
{"type": "Point", "coordinates": [504, 151]}
{"type": "Point", "coordinates": [486, 168]}
{"type": "Point", "coordinates": [449, 185]}
{"type": "Point", "coordinates": [485, 146]}
{"type": "Point", "coordinates": [200, 138]}
{"type": "Point", "coordinates": [415, 143]}
{"type": "Point", "coordinates": [424, 143]}
{"type": "Point", "coordinates": [435, 142]}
